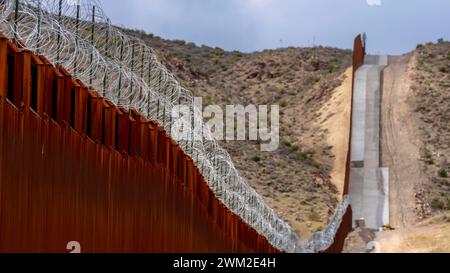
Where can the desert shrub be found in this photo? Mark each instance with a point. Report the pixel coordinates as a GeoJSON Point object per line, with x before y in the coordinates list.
{"type": "Point", "coordinates": [443, 69]}
{"type": "Point", "coordinates": [179, 42]}
{"type": "Point", "coordinates": [437, 204]}
{"type": "Point", "coordinates": [314, 216]}
{"type": "Point", "coordinates": [187, 59]}
{"type": "Point", "coordinates": [286, 143]}
{"type": "Point", "coordinates": [302, 155]}
{"type": "Point", "coordinates": [314, 163]}
{"type": "Point", "coordinates": [255, 158]}
{"type": "Point", "coordinates": [293, 148]}
{"type": "Point", "coordinates": [308, 160]}
{"type": "Point", "coordinates": [283, 103]}
{"type": "Point", "coordinates": [443, 182]}
{"type": "Point", "coordinates": [443, 173]}
{"type": "Point", "coordinates": [312, 80]}
{"type": "Point", "coordinates": [238, 54]}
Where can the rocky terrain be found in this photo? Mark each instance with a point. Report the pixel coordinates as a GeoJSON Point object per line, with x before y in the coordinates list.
{"type": "Point", "coordinates": [431, 101]}
{"type": "Point", "coordinates": [296, 180]}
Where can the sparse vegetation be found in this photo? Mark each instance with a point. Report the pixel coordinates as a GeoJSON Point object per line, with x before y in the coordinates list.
{"type": "Point", "coordinates": [286, 143]}
{"type": "Point", "coordinates": [443, 69]}
{"type": "Point", "coordinates": [293, 148]}
{"type": "Point", "coordinates": [441, 182]}
{"type": "Point", "coordinates": [430, 161]}
{"type": "Point", "coordinates": [302, 156]}
{"type": "Point", "coordinates": [314, 216]}
{"type": "Point", "coordinates": [437, 204]}
{"type": "Point", "coordinates": [314, 163]}
{"type": "Point", "coordinates": [255, 158]}
{"type": "Point", "coordinates": [443, 173]}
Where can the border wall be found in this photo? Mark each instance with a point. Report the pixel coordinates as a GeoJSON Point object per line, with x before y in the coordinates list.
{"type": "Point", "coordinates": [73, 167]}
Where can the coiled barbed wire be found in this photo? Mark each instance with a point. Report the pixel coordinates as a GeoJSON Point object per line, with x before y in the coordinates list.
{"type": "Point", "coordinates": [79, 36]}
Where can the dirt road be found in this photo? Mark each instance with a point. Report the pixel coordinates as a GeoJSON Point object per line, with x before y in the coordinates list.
{"type": "Point", "coordinates": [399, 142]}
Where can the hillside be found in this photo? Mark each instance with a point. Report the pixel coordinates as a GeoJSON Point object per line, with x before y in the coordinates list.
{"type": "Point", "coordinates": [431, 100]}
{"type": "Point", "coordinates": [296, 180]}
{"type": "Point", "coordinates": [421, 108]}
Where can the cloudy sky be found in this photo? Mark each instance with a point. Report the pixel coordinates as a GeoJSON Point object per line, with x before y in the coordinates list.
{"type": "Point", "coordinates": [392, 26]}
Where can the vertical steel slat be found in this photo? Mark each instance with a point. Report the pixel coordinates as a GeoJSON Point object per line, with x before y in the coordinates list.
{"type": "Point", "coordinates": [18, 77]}
{"type": "Point", "coordinates": [3, 66]}
{"type": "Point", "coordinates": [41, 78]}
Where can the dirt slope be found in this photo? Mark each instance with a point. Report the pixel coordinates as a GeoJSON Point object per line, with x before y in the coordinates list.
{"type": "Point", "coordinates": [335, 119]}
{"type": "Point", "coordinates": [430, 236]}
{"type": "Point", "coordinates": [400, 142]}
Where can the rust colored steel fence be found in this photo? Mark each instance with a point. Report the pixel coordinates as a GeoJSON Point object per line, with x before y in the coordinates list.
{"type": "Point", "coordinates": [359, 53]}
{"type": "Point", "coordinates": [75, 168]}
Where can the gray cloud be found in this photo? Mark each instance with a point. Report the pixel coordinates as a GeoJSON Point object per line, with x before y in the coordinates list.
{"type": "Point", "coordinates": [394, 27]}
